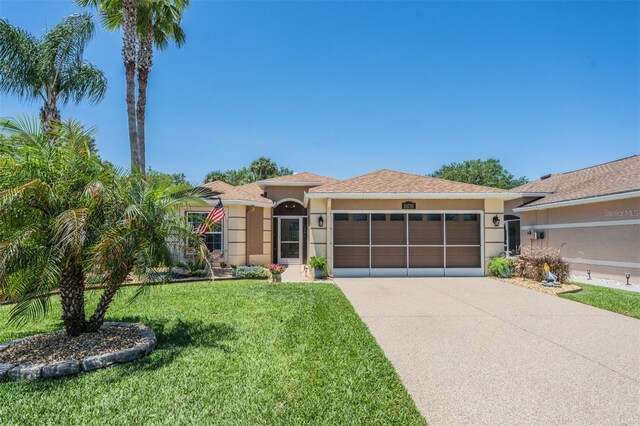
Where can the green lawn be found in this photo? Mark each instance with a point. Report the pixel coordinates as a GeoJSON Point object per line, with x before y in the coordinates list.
{"type": "Point", "coordinates": [235, 352]}
{"type": "Point", "coordinates": [611, 299]}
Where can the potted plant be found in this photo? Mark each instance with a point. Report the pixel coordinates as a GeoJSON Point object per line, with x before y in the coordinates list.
{"type": "Point", "coordinates": [319, 265]}
{"type": "Point", "coordinates": [276, 272]}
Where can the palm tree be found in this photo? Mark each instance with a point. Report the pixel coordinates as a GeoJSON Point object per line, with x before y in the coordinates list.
{"type": "Point", "coordinates": [145, 24]}
{"type": "Point", "coordinates": [50, 69]}
{"type": "Point", "coordinates": [66, 216]}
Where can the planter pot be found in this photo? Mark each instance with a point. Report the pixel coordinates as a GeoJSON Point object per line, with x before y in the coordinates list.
{"type": "Point", "coordinates": [319, 273]}
{"type": "Point", "coordinates": [275, 278]}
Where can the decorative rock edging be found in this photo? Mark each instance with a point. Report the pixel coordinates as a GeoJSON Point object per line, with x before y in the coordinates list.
{"type": "Point", "coordinates": [73, 366]}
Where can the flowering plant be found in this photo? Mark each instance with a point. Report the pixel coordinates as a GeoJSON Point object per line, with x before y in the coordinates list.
{"type": "Point", "coordinates": [276, 269]}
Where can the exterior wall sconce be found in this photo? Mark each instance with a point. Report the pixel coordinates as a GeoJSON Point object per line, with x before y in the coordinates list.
{"type": "Point", "coordinates": [320, 221]}
{"type": "Point", "coordinates": [628, 275]}
{"type": "Point", "coordinates": [589, 273]}
{"type": "Point", "coordinates": [496, 220]}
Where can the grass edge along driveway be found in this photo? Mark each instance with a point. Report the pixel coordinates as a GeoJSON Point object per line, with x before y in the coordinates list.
{"type": "Point", "coordinates": [620, 301]}
{"type": "Point", "coordinates": [235, 352]}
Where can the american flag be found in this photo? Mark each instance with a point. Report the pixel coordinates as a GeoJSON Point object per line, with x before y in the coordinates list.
{"type": "Point", "coordinates": [215, 215]}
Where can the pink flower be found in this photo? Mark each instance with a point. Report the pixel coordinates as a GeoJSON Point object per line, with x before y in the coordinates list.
{"type": "Point", "coordinates": [276, 269]}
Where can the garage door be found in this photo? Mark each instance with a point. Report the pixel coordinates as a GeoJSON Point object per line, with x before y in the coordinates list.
{"type": "Point", "coordinates": [407, 244]}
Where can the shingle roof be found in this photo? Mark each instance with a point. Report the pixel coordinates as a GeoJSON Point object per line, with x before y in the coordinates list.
{"type": "Point", "coordinates": [230, 192]}
{"type": "Point", "coordinates": [615, 177]}
{"type": "Point", "coordinates": [301, 177]}
{"type": "Point", "coordinates": [390, 181]}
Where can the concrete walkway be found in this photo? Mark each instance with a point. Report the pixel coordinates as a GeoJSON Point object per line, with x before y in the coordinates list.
{"type": "Point", "coordinates": [475, 351]}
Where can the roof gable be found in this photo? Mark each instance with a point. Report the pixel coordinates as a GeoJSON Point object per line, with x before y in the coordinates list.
{"type": "Point", "coordinates": [302, 177]}
{"type": "Point", "coordinates": [228, 192]}
{"type": "Point", "coordinates": [614, 177]}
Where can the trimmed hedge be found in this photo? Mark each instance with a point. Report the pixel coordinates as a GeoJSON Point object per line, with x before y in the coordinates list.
{"type": "Point", "coordinates": [250, 272]}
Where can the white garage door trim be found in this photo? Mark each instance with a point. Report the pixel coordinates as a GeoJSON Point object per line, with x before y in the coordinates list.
{"type": "Point", "coordinates": [408, 271]}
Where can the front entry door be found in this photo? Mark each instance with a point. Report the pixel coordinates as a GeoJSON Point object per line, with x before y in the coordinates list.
{"type": "Point", "coordinates": [290, 241]}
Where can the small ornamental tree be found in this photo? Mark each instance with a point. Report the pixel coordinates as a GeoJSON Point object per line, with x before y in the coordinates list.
{"type": "Point", "coordinates": [65, 215]}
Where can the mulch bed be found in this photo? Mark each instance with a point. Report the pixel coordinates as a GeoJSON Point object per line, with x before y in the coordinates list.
{"type": "Point", "coordinates": [58, 346]}
{"type": "Point", "coordinates": [537, 286]}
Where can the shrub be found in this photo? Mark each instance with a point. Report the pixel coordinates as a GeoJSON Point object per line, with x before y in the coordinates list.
{"type": "Point", "coordinates": [501, 267]}
{"type": "Point", "coordinates": [193, 267]}
{"type": "Point", "coordinates": [319, 262]}
{"type": "Point", "coordinates": [250, 272]}
{"type": "Point", "coordinates": [530, 264]}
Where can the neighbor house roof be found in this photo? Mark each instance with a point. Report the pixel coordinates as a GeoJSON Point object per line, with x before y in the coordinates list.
{"type": "Point", "coordinates": [389, 184]}
{"type": "Point", "coordinates": [589, 184]}
{"type": "Point", "coordinates": [297, 179]}
{"type": "Point", "coordinates": [237, 194]}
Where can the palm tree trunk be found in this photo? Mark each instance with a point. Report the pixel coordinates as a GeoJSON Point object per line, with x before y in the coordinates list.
{"type": "Point", "coordinates": [72, 298]}
{"type": "Point", "coordinates": [129, 53]}
{"type": "Point", "coordinates": [113, 285]}
{"type": "Point", "coordinates": [49, 114]}
{"type": "Point", "coordinates": [145, 55]}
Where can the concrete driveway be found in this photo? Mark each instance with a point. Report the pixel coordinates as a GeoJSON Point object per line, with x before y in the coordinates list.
{"type": "Point", "coordinates": [475, 351]}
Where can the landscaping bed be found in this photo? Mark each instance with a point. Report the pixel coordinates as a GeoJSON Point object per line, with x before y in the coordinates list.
{"type": "Point", "coordinates": [229, 352]}
{"type": "Point", "coordinates": [56, 354]}
{"type": "Point", "coordinates": [537, 285]}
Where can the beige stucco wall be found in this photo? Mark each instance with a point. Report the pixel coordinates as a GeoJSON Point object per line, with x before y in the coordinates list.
{"type": "Point", "coordinates": [235, 242]}
{"type": "Point", "coordinates": [397, 204]}
{"type": "Point", "coordinates": [591, 235]}
{"type": "Point", "coordinates": [317, 238]}
{"type": "Point", "coordinates": [258, 235]}
{"type": "Point", "coordinates": [277, 193]}
{"type": "Point", "coordinates": [493, 235]}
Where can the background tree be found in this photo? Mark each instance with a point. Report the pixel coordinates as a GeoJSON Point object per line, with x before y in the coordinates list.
{"type": "Point", "coordinates": [50, 69]}
{"type": "Point", "coordinates": [145, 24]}
{"type": "Point", "coordinates": [67, 215]}
{"type": "Point", "coordinates": [166, 180]}
{"type": "Point", "coordinates": [259, 169]}
{"type": "Point", "coordinates": [480, 172]}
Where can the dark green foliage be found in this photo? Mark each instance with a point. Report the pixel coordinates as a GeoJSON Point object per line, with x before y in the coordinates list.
{"type": "Point", "coordinates": [259, 169]}
{"type": "Point", "coordinates": [66, 215]}
{"type": "Point", "coordinates": [480, 172]}
{"type": "Point", "coordinates": [530, 264]}
{"type": "Point", "coordinates": [501, 267]}
{"type": "Point", "coordinates": [319, 262]}
{"type": "Point", "coordinates": [166, 180]}
{"type": "Point", "coordinates": [250, 272]}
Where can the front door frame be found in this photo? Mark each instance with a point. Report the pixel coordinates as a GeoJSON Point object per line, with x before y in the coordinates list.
{"type": "Point", "coordinates": [291, 261]}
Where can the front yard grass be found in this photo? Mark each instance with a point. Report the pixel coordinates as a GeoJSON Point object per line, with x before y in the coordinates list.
{"type": "Point", "coordinates": [620, 301]}
{"type": "Point", "coordinates": [235, 352]}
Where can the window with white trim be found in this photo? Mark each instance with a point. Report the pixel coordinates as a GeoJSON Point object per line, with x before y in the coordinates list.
{"type": "Point", "coordinates": [213, 237]}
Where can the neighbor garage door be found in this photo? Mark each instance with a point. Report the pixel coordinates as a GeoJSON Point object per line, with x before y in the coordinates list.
{"type": "Point", "coordinates": [407, 244]}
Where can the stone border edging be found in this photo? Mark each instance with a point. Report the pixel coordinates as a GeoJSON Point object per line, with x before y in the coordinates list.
{"type": "Point", "coordinates": [90, 363]}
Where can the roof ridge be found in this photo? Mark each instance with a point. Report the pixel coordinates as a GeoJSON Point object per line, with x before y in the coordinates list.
{"type": "Point", "coordinates": [596, 165]}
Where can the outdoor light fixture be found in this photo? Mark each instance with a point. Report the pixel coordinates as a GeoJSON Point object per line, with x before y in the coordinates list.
{"type": "Point", "coordinates": [628, 275]}
{"type": "Point", "coordinates": [589, 273]}
{"type": "Point", "coordinates": [496, 220]}
{"type": "Point", "coordinates": [320, 221]}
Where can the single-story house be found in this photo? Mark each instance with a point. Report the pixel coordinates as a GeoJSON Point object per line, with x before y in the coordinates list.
{"type": "Point", "coordinates": [385, 223]}
{"type": "Point", "coordinates": [591, 215]}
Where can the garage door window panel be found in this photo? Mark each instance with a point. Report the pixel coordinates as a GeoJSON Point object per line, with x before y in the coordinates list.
{"type": "Point", "coordinates": [426, 257]}
{"type": "Point", "coordinates": [388, 257]}
{"type": "Point", "coordinates": [351, 257]}
{"type": "Point", "coordinates": [463, 229]}
{"type": "Point", "coordinates": [425, 232]}
{"type": "Point", "coordinates": [463, 257]}
{"type": "Point", "coordinates": [391, 232]}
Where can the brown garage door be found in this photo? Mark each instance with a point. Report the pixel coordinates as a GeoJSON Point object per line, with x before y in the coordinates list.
{"type": "Point", "coordinates": [400, 244]}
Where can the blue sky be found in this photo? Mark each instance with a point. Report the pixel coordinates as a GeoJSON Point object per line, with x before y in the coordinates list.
{"type": "Point", "coordinates": [343, 88]}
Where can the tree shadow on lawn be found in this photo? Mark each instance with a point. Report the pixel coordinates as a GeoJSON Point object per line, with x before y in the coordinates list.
{"type": "Point", "coordinates": [174, 337]}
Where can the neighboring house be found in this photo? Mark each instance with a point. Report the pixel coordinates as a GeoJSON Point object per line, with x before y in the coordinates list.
{"type": "Point", "coordinates": [384, 223]}
{"type": "Point", "coordinates": [591, 215]}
